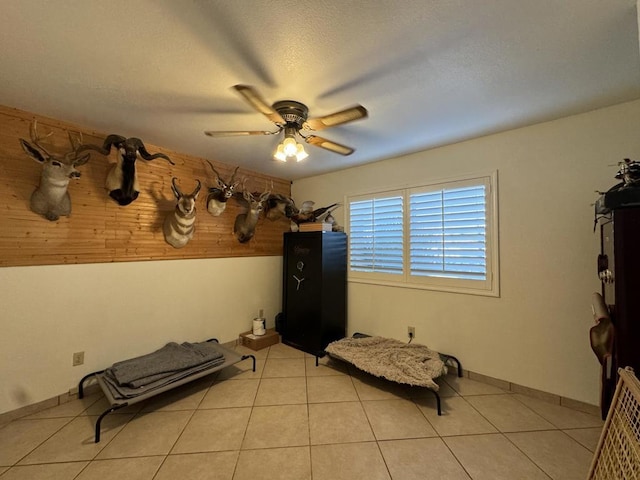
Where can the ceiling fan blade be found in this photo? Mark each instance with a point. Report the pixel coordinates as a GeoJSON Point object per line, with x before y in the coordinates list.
{"type": "Point", "coordinates": [337, 118]}
{"type": "Point", "coordinates": [256, 101]}
{"type": "Point", "coordinates": [329, 145]}
{"type": "Point", "coordinates": [240, 133]}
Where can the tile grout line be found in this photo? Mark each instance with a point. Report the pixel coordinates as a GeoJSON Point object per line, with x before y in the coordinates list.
{"type": "Point", "coordinates": [500, 432]}
{"type": "Point", "coordinates": [71, 419]}
{"type": "Point", "coordinates": [193, 412]}
{"type": "Point", "coordinates": [306, 386]}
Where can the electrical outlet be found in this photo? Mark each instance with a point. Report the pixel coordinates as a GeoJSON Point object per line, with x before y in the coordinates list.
{"type": "Point", "coordinates": [78, 358]}
{"type": "Point", "coordinates": [411, 331]}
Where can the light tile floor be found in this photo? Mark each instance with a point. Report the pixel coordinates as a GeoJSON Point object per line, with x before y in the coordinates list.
{"type": "Point", "coordinates": [291, 420]}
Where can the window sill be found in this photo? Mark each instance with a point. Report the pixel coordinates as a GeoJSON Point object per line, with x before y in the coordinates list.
{"type": "Point", "coordinates": [421, 286]}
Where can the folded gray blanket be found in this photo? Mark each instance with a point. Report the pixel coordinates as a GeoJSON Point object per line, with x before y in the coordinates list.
{"type": "Point", "coordinates": [166, 361]}
{"type": "Point", "coordinates": [122, 392]}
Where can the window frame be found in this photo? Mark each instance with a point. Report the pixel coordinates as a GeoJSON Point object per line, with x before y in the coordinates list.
{"type": "Point", "coordinates": [488, 287]}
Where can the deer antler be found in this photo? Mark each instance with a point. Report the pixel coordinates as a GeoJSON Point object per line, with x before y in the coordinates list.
{"type": "Point", "coordinates": [35, 138]}
{"type": "Point", "coordinates": [105, 149]}
{"type": "Point", "coordinates": [76, 142]}
{"type": "Point", "coordinates": [267, 192]}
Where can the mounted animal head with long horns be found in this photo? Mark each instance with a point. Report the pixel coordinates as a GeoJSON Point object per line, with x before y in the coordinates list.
{"type": "Point", "coordinates": [218, 196]}
{"type": "Point", "coordinates": [51, 199]}
{"type": "Point", "coordinates": [244, 227]}
{"type": "Point", "coordinates": [122, 181]}
{"type": "Point", "coordinates": [179, 225]}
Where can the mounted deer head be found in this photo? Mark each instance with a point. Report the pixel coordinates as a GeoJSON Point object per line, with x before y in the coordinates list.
{"type": "Point", "coordinates": [218, 196]}
{"type": "Point", "coordinates": [122, 181]}
{"type": "Point", "coordinates": [179, 225]}
{"type": "Point", "coordinates": [245, 225]}
{"type": "Point", "coordinates": [51, 198]}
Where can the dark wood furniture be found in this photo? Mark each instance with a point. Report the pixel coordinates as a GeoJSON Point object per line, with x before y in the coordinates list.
{"type": "Point", "coordinates": [619, 271]}
{"type": "Point", "coordinates": [314, 290]}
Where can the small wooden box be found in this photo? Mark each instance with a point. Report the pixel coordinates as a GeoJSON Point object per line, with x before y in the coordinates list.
{"type": "Point", "coordinates": [258, 342]}
{"type": "Point", "coordinates": [315, 227]}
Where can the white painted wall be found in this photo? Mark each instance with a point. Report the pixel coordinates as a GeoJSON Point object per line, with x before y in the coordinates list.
{"type": "Point", "coordinates": [536, 333]}
{"type": "Point", "coordinates": [116, 311]}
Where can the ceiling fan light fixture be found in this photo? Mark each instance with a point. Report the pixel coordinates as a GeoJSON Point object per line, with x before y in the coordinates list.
{"type": "Point", "coordinates": [279, 155]}
{"type": "Point", "coordinates": [289, 148]}
{"type": "Point", "coordinates": [300, 153]}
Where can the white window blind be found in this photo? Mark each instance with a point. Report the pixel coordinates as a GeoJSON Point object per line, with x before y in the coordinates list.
{"type": "Point", "coordinates": [376, 235]}
{"type": "Point", "coordinates": [448, 233]}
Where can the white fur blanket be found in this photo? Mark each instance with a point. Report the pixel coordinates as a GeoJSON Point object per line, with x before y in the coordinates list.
{"type": "Point", "coordinates": [408, 363]}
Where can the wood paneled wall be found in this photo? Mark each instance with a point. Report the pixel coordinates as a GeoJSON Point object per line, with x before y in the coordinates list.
{"type": "Point", "coordinates": [100, 230]}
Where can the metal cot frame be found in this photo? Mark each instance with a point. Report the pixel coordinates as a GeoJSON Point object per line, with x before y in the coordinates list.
{"type": "Point", "coordinates": [446, 358]}
{"type": "Point", "coordinates": [230, 358]}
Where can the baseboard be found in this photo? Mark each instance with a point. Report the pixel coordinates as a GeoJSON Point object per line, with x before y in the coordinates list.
{"type": "Point", "coordinates": [539, 394]}
{"type": "Point", "coordinates": [63, 398]}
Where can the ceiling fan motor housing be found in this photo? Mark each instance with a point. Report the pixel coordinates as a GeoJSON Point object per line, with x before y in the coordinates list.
{"type": "Point", "coordinates": [292, 112]}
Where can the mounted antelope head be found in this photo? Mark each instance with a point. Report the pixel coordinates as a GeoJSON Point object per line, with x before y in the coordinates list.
{"type": "Point", "coordinates": [179, 225]}
{"type": "Point", "coordinates": [51, 198]}
{"type": "Point", "coordinates": [122, 181]}
{"type": "Point", "coordinates": [245, 225]}
{"type": "Point", "coordinates": [217, 198]}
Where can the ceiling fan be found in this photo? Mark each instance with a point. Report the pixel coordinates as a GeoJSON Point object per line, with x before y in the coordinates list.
{"type": "Point", "coordinates": [292, 118]}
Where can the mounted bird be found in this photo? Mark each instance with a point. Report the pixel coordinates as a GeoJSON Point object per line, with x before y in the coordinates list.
{"type": "Point", "coordinates": [306, 215]}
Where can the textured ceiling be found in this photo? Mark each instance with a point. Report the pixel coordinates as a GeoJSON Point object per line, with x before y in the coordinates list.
{"type": "Point", "coordinates": [429, 72]}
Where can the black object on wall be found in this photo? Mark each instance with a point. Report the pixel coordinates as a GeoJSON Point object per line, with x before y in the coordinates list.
{"type": "Point", "coordinates": [314, 290]}
{"type": "Point", "coordinates": [619, 270]}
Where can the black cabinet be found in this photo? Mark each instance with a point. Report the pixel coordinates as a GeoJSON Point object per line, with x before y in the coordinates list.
{"type": "Point", "coordinates": [314, 290]}
{"type": "Point", "coordinates": [619, 271]}
{"type": "Point", "coordinates": [621, 239]}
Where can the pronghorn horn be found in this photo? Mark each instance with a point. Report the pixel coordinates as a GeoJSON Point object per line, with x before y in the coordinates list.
{"type": "Point", "coordinates": [195, 192]}
{"type": "Point", "coordinates": [176, 190]}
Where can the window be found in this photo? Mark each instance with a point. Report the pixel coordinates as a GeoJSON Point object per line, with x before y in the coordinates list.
{"type": "Point", "coordinates": [441, 236]}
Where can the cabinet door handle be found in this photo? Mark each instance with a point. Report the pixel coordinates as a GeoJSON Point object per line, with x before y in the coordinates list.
{"type": "Point", "coordinates": [606, 276]}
